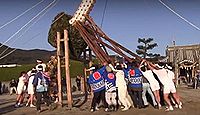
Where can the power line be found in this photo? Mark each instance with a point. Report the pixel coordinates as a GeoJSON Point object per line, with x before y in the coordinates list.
{"type": "Point", "coordinates": [8, 54]}
{"type": "Point", "coordinates": [104, 11]}
{"type": "Point", "coordinates": [187, 21]}
{"type": "Point", "coordinates": [27, 30]}
{"type": "Point", "coordinates": [20, 15]}
{"type": "Point", "coordinates": [23, 34]}
{"type": "Point", "coordinates": [15, 48]}
{"type": "Point", "coordinates": [28, 22]}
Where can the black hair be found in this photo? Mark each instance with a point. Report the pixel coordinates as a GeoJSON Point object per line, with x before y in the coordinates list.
{"type": "Point", "coordinates": [143, 68]}
{"type": "Point", "coordinates": [23, 72]}
{"type": "Point", "coordinates": [134, 65]}
{"type": "Point", "coordinates": [34, 71]}
{"type": "Point", "coordinates": [161, 64]}
{"type": "Point", "coordinates": [119, 67]}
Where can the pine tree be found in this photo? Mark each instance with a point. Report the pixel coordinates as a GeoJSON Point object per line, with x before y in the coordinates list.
{"type": "Point", "coordinates": [147, 45]}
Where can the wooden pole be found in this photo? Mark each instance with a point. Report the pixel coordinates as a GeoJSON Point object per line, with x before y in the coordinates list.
{"type": "Point", "coordinates": [90, 44]}
{"type": "Point", "coordinates": [198, 57]}
{"type": "Point", "coordinates": [59, 70]}
{"type": "Point", "coordinates": [91, 37]}
{"type": "Point", "coordinates": [85, 77]}
{"type": "Point", "coordinates": [68, 79]}
{"type": "Point", "coordinates": [103, 35]}
{"type": "Point", "coordinates": [83, 82]}
{"type": "Point", "coordinates": [175, 62]}
{"type": "Point", "coordinates": [115, 49]}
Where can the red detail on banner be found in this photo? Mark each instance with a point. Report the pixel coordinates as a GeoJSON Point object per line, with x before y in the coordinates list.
{"type": "Point", "coordinates": [97, 75]}
{"type": "Point", "coordinates": [111, 76]}
{"type": "Point", "coordinates": [132, 72]}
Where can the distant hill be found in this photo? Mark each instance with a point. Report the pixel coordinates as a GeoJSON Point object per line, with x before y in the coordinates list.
{"type": "Point", "coordinates": [24, 56]}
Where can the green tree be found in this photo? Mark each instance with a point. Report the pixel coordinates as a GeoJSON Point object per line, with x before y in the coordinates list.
{"type": "Point", "coordinates": [147, 45]}
{"type": "Point", "coordinates": [76, 42]}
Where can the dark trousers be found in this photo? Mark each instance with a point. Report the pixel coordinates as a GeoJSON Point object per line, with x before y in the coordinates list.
{"type": "Point", "coordinates": [99, 96]}
{"type": "Point", "coordinates": [0, 90]}
{"type": "Point", "coordinates": [136, 96]}
{"type": "Point", "coordinates": [39, 96]}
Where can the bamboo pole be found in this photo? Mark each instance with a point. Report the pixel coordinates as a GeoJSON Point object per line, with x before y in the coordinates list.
{"type": "Point", "coordinates": [91, 44]}
{"type": "Point", "coordinates": [103, 35]}
{"type": "Point", "coordinates": [83, 82]}
{"type": "Point", "coordinates": [95, 44]}
{"type": "Point", "coordinates": [91, 37]}
{"type": "Point", "coordinates": [115, 49]}
{"type": "Point", "coordinates": [59, 70]}
{"type": "Point", "coordinates": [68, 79]}
{"type": "Point", "coordinates": [87, 41]}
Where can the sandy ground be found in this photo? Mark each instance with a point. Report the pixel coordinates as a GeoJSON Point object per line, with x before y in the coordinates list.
{"type": "Point", "coordinates": [190, 98]}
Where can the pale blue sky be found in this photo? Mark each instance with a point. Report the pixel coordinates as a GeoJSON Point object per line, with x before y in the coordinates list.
{"type": "Point", "coordinates": [125, 21]}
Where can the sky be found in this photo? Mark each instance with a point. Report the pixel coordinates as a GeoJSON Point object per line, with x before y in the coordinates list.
{"type": "Point", "coordinates": [125, 21]}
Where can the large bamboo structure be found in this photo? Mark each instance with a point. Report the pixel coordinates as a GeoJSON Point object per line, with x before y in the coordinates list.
{"type": "Point", "coordinates": [95, 37]}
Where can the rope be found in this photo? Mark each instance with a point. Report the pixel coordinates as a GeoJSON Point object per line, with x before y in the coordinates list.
{"type": "Point", "coordinates": [24, 33]}
{"type": "Point", "coordinates": [27, 30]}
{"type": "Point", "coordinates": [187, 21]}
{"type": "Point", "coordinates": [28, 22]}
{"type": "Point", "coordinates": [58, 18]}
{"type": "Point", "coordinates": [104, 11]}
{"type": "Point", "coordinates": [20, 15]}
{"type": "Point", "coordinates": [16, 48]}
{"type": "Point", "coordinates": [8, 54]}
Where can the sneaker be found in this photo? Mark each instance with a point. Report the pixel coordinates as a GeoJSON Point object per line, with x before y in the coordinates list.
{"type": "Point", "coordinates": [180, 106]}
{"type": "Point", "coordinates": [20, 105]}
{"type": "Point", "coordinates": [91, 110]}
{"type": "Point", "coordinates": [125, 109]}
{"type": "Point", "coordinates": [39, 111]}
{"type": "Point", "coordinates": [122, 107]}
{"type": "Point", "coordinates": [176, 106]}
{"type": "Point", "coordinates": [159, 106]}
{"type": "Point", "coordinates": [27, 104]}
{"type": "Point", "coordinates": [32, 105]}
{"type": "Point", "coordinates": [170, 108]}
{"type": "Point", "coordinates": [16, 105]}
{"type": "Point", "coordinates": [106, 109]}
{"type": "Point", "coordinates": [145, 106]}
{"type": "Point", "coordinates": [96, 108]}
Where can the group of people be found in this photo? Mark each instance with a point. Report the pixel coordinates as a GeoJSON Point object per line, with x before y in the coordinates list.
{"type": "Point", "coordinates": [126, 85]}
{"type": "Point", "coordinates": [36, 82]}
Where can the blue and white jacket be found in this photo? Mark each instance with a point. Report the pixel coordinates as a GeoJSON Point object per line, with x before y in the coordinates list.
{"type": "Point", "coordinates": [126, 73]}
{"type": "Point", "coordinates": [110, 80]}
{"type": "Point", "coordinates": [96, 79]}
{"type": "Point", "coordinates": [135, 78]}
{"type": "Point", "coordinates": [40, 82]}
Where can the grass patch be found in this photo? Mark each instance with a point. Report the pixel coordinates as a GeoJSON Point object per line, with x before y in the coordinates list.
{"type": "Point", "coordinates": [76, 68]}
{"type": "Point", "coordinates": [6, 74]}
{"type": "Point", "coordinates": [9, 73]}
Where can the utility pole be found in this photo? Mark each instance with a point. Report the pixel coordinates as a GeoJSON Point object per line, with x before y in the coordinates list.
{"type": "Point", "coordinates": [68, 79]}
{"type": "Point", "coordinates": [59, 70]}
{"type": "Point", "coordinates": [175, 62]}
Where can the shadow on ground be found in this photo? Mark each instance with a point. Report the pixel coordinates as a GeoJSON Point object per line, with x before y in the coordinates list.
{"type": "Point", "coordinates": [7, 109]}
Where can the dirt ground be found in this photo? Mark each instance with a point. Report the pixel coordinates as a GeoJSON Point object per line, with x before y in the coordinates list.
{"type": "Point", "coordinates": [190, 98]}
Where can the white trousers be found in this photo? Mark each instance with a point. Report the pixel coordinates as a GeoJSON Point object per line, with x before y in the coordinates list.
{"type": "Point", "coordinates": [123, 97]}
{"type": "Point", "coordinates": [111, 97]}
